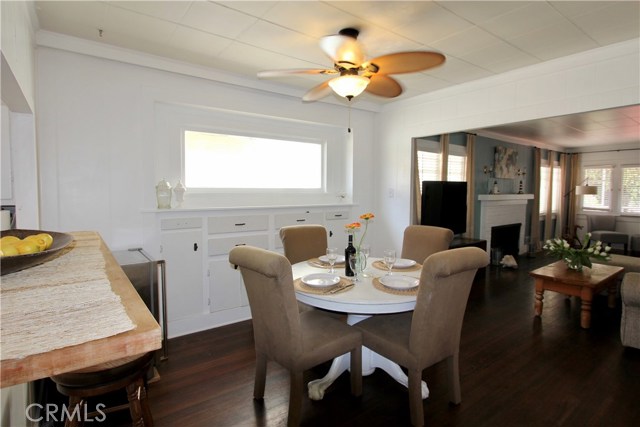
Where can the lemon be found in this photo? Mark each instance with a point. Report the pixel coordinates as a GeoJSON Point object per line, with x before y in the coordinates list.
{"type": "Point", "coordinates": [40, 241]}
{"type": "Point", "coordinates": [9, 250]}
{"type": "Point", "coordinates": [8, 240]}
{"type": "Point", "coordinates": [47, 238]}
{"type": "Point", "coordinates": [27, 247]}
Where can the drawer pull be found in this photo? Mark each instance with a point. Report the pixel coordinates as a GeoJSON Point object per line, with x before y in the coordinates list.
{"type": "Point", "coordinates": [300, 220]}
{"type": "Point", "coordinates": [337, 216]}
{"type": "Point", "coordinates": [195, 247]}
{"type": "Point", "coordinates": [240, 224]}
{"type": "Point", "coordinates": [240, 244]}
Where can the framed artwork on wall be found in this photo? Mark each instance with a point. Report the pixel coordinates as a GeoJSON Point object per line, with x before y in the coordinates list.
{"type": "Point", "coordinates": [505, 162]}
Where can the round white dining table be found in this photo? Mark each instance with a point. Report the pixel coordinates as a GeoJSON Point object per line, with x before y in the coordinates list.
{"type": "Point", "coordinates": [359, 302]}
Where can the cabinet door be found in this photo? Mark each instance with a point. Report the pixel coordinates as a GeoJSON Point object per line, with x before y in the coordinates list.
{"type": "Point", "coordinates": [182, 251]}
{"type": "Point", "coordinates": [335, 222]}
{"type": "Point", "coordinates": [225, 286]}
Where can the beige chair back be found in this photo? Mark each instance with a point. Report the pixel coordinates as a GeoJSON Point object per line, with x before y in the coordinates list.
{"type": "Point", "coordinates": [445, 284]}
{"type": "Point", "coordinates": [303, 242]}
{"type": "Point", "coordinates": [269, 283]}
{"type": "Point", "coordinates": [421, 241]}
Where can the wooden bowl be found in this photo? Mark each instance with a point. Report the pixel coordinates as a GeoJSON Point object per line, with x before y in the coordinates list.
{"type": "Point", "coordinates": [10, 264]}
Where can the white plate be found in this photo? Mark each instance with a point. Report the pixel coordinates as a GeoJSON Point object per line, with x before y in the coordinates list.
{"type": "Point", "coordinates": [404, 263]}
{"type": "Point", "coordinates": [399, 282]}
{"type": "Point", "coordinates": [320, 280]}
{"type": "Point", "coordinates": [325, 260]}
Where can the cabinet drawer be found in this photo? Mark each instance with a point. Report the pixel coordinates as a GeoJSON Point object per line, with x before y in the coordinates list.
{"type": "Point", "coordinates": [222, 245]}
{"type": "Point", "coordinates": [283, 220]}
{"type": "Point", "coordinates": [180, 223]}
{"type": "Point", "coordinates": [344, 215]}
{"type": "Point", "coordinates": [230, 224]}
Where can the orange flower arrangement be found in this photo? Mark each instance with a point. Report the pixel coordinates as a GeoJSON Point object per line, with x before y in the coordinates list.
{"type": "Point", "coordinates": [355, 226]}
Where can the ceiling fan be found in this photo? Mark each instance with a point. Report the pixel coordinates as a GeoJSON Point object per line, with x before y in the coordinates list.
{"type": "Point", "coordinates": [353, 74]}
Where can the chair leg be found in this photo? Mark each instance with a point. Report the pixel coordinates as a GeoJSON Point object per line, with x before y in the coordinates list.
{"type": "Point", "coordinates": [74, 420]}
{"type": "Point", "coordinates": [356, 371]}
{"type": "Point", "coordinates": [296, 387]}
{"type": "Point", "coordinates": [134, 395]}
{"type": "Point", "coordinates": [261, 376]}
{"type": "Point", "coordinates": [454, 378]}
{"type": "Point", "coordinates": [415, 397]}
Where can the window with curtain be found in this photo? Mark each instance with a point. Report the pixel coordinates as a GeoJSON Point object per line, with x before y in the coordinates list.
{"type": "Point", "coordinates": [600, 177]}
{"type": "Point", "coordinates": [555, 188]}
{"type": "Point", "coordinates": [428, 153]}
{"type": "Point", "coordinates": [457, 163]}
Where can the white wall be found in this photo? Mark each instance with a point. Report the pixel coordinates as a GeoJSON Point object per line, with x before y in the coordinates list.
{"type": "Point", "coordinates": [18, 67]}
{"type": "Point", "coordinates": [598, 79]}
{"type": "Point", "coordinates": [96, 122]}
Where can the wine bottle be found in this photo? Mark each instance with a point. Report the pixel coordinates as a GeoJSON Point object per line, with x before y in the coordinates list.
{"type": "Point", "coordinates": [350, 250]}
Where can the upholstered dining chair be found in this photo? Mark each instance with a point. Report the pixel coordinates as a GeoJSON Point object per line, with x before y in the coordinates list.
{"type": "Point", "coordinates": [420, 241]}
{"type": "Point", "coordinates": [603, 228]}
{"type": "Point", "coordinates": [303, 242]}
{"type": "Point", "coordinates": [297, 341]}
{"type": "Point", "coordinates": [431, 333]}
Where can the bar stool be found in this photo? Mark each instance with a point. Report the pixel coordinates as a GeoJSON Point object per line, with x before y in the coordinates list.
{"type": "Point", "coordinates": [128, 373]}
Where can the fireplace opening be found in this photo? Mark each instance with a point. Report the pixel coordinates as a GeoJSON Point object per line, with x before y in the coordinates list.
{"type": "Point", "coordinates": [504, 241]}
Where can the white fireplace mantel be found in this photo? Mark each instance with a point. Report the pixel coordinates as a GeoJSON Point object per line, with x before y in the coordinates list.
{"type": "Point", "coordinates": [503, 209]}
{"type": "Point", "coordinates": [504, 197]}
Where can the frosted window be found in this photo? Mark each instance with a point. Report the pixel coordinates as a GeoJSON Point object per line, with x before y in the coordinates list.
{"type": "Point", "coordinates": [214, 160]}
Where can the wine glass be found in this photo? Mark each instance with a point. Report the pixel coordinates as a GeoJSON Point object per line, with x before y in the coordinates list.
{"type": "Point", "coordinates": [332, 256]}
{"type": "Point", "coordinates": [389, 259]}
{"type": "Point", "coordinates": [353, 263]}
{"type": "Point", "coordinates": [365, 250]}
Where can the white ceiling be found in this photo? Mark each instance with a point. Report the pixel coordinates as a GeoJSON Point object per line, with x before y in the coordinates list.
{"type": "Point", "coordinates": [478, 38]}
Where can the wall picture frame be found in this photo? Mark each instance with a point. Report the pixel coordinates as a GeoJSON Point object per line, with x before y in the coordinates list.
{"type": "Point", "coordinates": [505, 162]}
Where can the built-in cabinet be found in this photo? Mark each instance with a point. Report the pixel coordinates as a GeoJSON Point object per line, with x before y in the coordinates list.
{"type": "Point", "coordinates": [203, 289]}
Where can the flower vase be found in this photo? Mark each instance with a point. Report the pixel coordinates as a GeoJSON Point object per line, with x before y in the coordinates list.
{"type": "Point", "coordinates": [574, 264]}
{"type": "Point", "coordinates": [361, 262]}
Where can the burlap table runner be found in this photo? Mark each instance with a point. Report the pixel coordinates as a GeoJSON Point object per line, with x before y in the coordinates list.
{"type": "Point", "coordinates": [342, 286]}
{"type": "Point", "coordinates": [379, 286]}
{"type": "Point", "coordinates": [64, 302]}
{"type": "Point", "coordinates": [381, 266]}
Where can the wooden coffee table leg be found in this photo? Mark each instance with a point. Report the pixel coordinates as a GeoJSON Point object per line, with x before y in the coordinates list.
{"type": "Point", "coordinates": [539, 297]}
{"type": "Point", "coordinates": [585, 314]}
{"type": "Point", "coordinates": [612, 290]}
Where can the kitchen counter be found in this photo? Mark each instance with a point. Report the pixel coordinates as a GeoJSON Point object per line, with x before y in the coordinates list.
{"type": "Point", "coordinates": [144, 336]}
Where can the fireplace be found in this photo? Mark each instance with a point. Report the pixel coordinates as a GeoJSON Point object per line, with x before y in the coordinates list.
{"type": "Point", "coordinates": [504, 209]}
{"type": "Point", "coordinates": [504, 241]}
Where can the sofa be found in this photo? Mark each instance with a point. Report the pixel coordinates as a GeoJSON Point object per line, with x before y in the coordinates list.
{"type": "Point", "coordinates": [631, 264]}
{"type": "Point", "coordinates": [630, 322]}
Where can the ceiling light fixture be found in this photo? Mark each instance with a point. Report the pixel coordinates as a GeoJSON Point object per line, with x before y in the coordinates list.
{"type": "Point", "coordinates": [349, 86]}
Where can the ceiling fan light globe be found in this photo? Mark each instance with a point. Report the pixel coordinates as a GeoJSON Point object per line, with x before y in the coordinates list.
{"type": "Point", "coordinates": [349, 86]}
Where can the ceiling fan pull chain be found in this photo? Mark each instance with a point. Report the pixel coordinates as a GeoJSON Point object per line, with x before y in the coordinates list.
{"type": "Point", "coordinates": [349, 126]}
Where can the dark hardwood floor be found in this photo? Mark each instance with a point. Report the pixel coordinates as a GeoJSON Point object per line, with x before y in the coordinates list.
{"type": "Point", "coordinates": [516, 370]}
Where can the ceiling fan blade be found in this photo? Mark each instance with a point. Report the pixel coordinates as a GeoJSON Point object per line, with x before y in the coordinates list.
{"type": "Point", "coordinates": [406, 62]}
{"type": "Point", "coordinates": [278, 73]}
{"type": "Point", "coordinates": [343, 49]}
{"type": "Point", "coordinates": [385, 86]}
{"type": "Point", "coordinates": [317, 92]}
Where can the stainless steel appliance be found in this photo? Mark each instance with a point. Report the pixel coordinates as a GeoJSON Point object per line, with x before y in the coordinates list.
{"type": "Point", "coordinates": [149, 279]}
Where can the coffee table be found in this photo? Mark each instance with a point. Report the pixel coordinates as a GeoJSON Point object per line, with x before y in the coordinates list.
{"type": "Point", "coordinates": [585, 284]}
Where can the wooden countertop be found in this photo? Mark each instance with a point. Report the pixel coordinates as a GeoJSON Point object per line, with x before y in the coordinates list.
{"type": "Point", "coordinates": [146, 336]}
